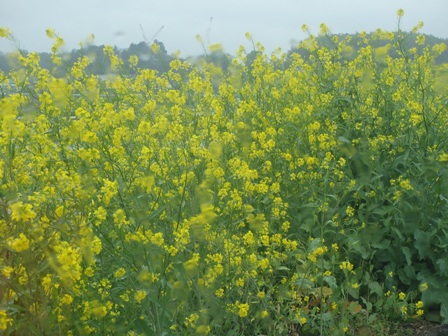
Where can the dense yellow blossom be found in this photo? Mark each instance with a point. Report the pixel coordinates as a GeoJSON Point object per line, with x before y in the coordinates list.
{"type": "Point", "coordinates": [217, 193]}
{"type": "Point", "coordinates": [346, 265]}
{"type": "Point", "coordinates": [19, 244]}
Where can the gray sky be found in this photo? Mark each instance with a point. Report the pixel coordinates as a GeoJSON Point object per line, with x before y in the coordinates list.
{"type": "Point", "coordinates": [273, 23]}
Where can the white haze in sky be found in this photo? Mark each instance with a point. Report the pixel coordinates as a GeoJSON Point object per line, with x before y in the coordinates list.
{"type": "Point", "coordinates": [177, 22]}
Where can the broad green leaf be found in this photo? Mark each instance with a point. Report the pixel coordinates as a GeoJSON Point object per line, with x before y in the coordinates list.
{"type": "Point", "coordinates": [444, 312]}
{"type": "Point", "coordinates": [376, 288]}
{"type": "Point", "coordinates": [422, 243]}
{"type": "Point", "coordinates": [331, 281]}
{"type": "Point", "coordinates": [407, 254]}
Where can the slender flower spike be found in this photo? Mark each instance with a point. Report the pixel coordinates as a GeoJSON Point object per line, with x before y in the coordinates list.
{"type": "Point", "coordinates": [50, 33]}
{"type": "Point", "coordinates": [4, 32]}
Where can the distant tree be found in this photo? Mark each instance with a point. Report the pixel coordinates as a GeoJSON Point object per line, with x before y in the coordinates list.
{"type": "Point", "coordinates": [160, 61]}
{"type": "Point", "coordinates": [4, 65]}
{"type": "Point", "coordinates": [355, 41]}
{"type": "Point", "coordinates": [219, 58]}
{"type": "Point", "coordinates": [146, 56]}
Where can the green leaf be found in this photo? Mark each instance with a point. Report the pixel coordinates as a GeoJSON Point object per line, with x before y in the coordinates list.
{"type": "Point", "coordinates": [369, 306]}
{"type": "Point", "coordinates": [331, 281]}
{"type": "Point", "coordinates": [12, 307]}
{"type": "Point", "coordinates": [443, 266]}
{"type": "Point", "coordinates": [382, 211]}
{"type": "Point", "coordinates": [407, 254]}
{"type": "Point", "coordinates": [143, 326]}
{"type": "Point", "coordinates": [444, 312]}
{"type": "Point", "coordinates": [283, 268]}
{"type": "Point", "coordinates": [398, 233]}
{"type": "Point", "coordinates": [304, 283]}
{"type": "Point", "coordinates": [384, 244]}
{"type": "Point", "coordinates": [376, 288]}
{"type": "Point", "coordinates": [409, 271]}
{"type": "Point", "coordinates": [422, 243]}
{"type": "Point", "coordinates": [344, 140]}
{"type": "Point", "coordinates": [354, 292]}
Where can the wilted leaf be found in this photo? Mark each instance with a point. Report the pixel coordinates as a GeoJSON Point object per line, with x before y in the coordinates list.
{"type": "Point", "coordinates": [354, 307]}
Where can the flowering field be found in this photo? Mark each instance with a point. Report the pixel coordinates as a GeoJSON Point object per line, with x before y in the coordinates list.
{"type": "Point", "coordinates": [288, 195]}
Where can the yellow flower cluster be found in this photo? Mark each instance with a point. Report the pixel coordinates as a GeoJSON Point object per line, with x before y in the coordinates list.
{"type": "Point", "coordinates": [5, 320]}
{"type": "Point", "coordinates": [19, 244]}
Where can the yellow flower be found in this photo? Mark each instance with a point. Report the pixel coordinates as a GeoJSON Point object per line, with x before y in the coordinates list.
{"type": "Point", "coordinates": [240, 282]}
{"type": "Point", "coordinates": [192, 264]}
{"type": "Point", "coordinates": [139, 295]}
{"type": "Point", "coordinates": [22, 212]}
{"type": "Point", "coordinates": [423, 287]}
{"type": "Point", "coordinates": [133, 61]}
{"type": "Point", "coordinates": [402, 296]}
{"type": "Point", "coordinates": [203, 330]}
{"type": "Point", "coordinates": [125, 297]}
{"type": "Point", "coordinates": [350, 211]}
{"type": "Point", "coordinates": [119, 273]}
{"type": "Point", "coordinates": [249, 238]}
{"type": "Point", "coordinates": [263, 263]}
{"type": "Point", "coordinates": [4, 320]}
{"type": "Point", "coordinates": [146, 277]}
{"type": "Point", "coordinates": [191, 320]}
{"type": "Point", "coordinates": [67, 299]}
{"type": "Point", "coordinates": [98, 309]}
{"type": "Point", "coordinates": [324, 30]}
{"type": "Point", "coordinates": [4, 32]}
{"type": "Point", "coordinates": [215, 47]}
{"type": "Point", "coordinates": [420, 40]}
{"type": "Point", "coordinates": [219, 292]}
{"type": "Point", "coordinates": [50, 32]}
{"type": "Point", "coordinates": [243, 309]}
{"type": "Point", "coordinates": [400, 13]}
{"type": "Point", "coordinates": [405, 184]}
{"type": "Point", "coordinates": [19, 244]}
{"type": "Point", "coordinates": [346, 265]}
{"type": "Point", "coordinates": [120, 218]}
{"type": "Point", "coordinates": [155, 48]}
{"type": "Point", "coordinates": [7, 270]}
{"type": "Point", "coordinates": [89, 271]}
{"type": "Point", "coordinates": [443, 157]}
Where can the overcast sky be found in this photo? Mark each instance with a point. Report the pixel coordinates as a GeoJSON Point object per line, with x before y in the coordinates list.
{"type": "Point", "coordinates": [273, 23]}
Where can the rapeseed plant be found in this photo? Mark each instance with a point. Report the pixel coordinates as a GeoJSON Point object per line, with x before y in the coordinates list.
{"type": "Point", "coordinates": [273, 196]}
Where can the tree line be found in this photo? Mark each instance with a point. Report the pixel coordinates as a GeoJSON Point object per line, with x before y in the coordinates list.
{"type": "Point", "coordinates": [159, 61]}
